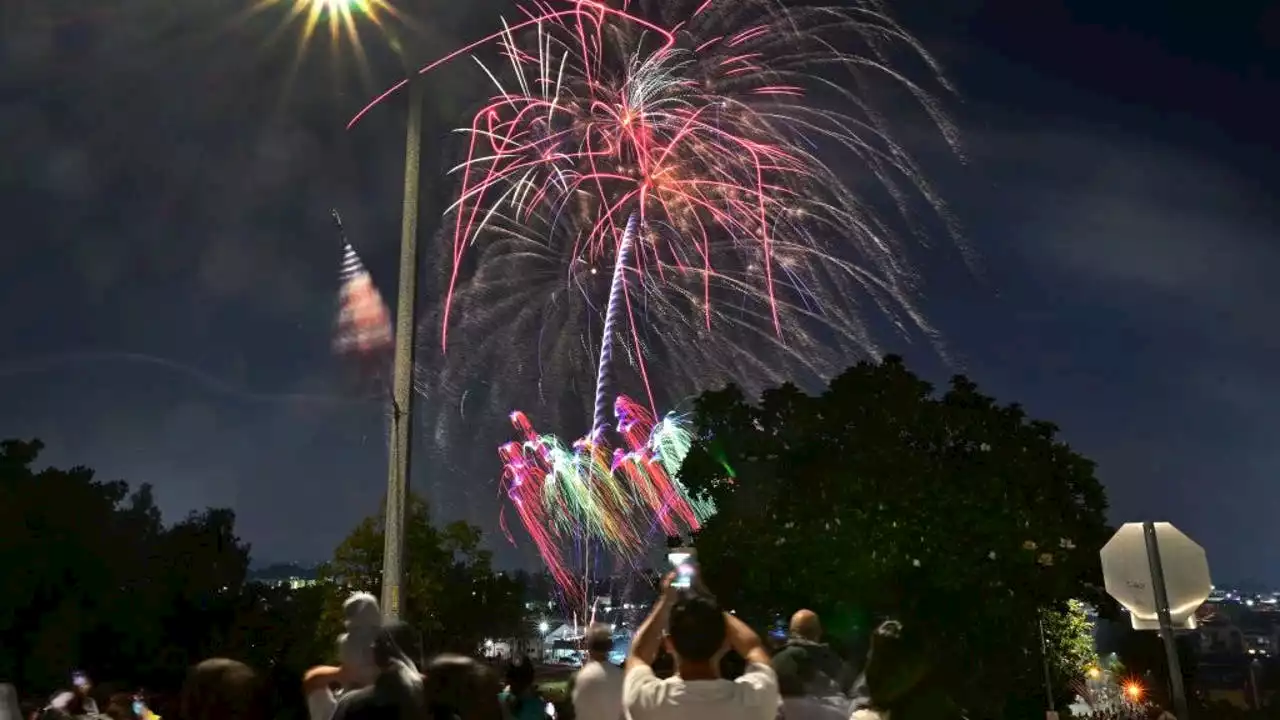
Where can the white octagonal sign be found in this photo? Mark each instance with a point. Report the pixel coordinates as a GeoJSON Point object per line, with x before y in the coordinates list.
{"type": "Point", "coordinates": [1126, 570]}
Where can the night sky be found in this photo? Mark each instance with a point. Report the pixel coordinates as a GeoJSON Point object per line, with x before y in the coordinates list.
{"type": "Point", "coordinates": [168, 268]}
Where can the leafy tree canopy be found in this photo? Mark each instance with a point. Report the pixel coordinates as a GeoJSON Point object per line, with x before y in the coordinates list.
{"type": "Point", "coordinates": [878, 497]}
{"type": "Point", "coordinates": [451, 592]}
{"type": "Point", "coordinates": [93, 579]}
{"type": "Point", "coordinates": [1070, 633]}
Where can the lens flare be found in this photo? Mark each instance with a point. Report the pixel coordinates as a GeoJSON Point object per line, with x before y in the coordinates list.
{"type": "Point", "coordinates": [339, 20]}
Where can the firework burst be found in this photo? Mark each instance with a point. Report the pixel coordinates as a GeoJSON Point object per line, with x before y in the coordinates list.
{"type": "Point", "coordinates": [731, 129]}
{"type": "Point", "coordinates": [669, 179]}
{"type": "Point", "coordinates": [562, 493]}
{"type": "Point", "coordinates": [698, 130]}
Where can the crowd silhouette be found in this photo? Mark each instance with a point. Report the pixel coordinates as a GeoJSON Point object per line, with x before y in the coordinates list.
{"type": "Point", "coordinates": [715, 667]}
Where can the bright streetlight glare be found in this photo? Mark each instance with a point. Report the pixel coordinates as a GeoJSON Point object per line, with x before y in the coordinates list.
{"type": "Point", "coordinates": [339, 15]}
{"type": "Point", "coordinates": [1133, 690]}
{"type": "Point", "coordinates": [341, 18]}
{"type": "Point", "coordinates": [543, 627]}
{"type": "Point", "coordinates": [336, 5]}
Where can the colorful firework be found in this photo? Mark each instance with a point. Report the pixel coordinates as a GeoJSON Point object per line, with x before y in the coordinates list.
{"type": "Point", "coordinates": [680, 151]}
{"type": "Point", "coordinates": [562, 493]}
{"type": "Point", "coordinates": [693, 127]}
{"type": "Point", "coordinates": [745, 137]}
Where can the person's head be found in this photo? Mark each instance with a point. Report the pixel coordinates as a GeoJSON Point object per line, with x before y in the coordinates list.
{"type": "Point", "coordinates": [695, 634]}
{"type": "Point", "coordinates": [519, 674]}
{"type": "Point", "coordinates": [459, 688]}
{"type": "Point", "coordinates": [806, 626]}
{"type": "Point", "coordinates": [361, 611]}
{"type": "Point", "coordinates": [398, 640]}
{"type": "Point", "coordinates": [599, 642]}
{"type": "Point", "coordinates": [896, 663]}
{"type": "Point", "coordinates": [81, 684]}
{"type": "Point", "coordinates": [221, 689]}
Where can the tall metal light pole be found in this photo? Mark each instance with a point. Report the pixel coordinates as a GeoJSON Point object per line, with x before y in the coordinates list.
{"type": "Point", "coordinates": [1048, 676]}
{"type": "Point", "coordinates": [339, 16]}
{"type": "Point", "coordinates": [406, 343]}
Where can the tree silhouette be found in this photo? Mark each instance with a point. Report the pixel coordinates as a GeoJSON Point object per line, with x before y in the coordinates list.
{"type": "Point", "coordinates": [877, 498]}
{"type": "Point", "coordinates": [93, 579]}
{"type": "Point", "coordinates": [451, 592]}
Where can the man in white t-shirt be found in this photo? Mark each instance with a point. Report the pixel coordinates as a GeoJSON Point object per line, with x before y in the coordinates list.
{"type": "Point", "coordinates": [698, 633]}
{"type": "Point", "coordinates": [596, 689]}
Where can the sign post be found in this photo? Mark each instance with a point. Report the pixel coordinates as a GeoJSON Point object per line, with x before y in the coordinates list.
{"type": "Point", "coordinates": [1161, 577]}
{"type": "Point", "coordinates": [1166, 624]}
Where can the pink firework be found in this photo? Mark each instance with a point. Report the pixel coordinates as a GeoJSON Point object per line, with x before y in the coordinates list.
{"type": "Point", "coordinates": [695, 119]}
{"type": "Point", "coordinates": [672, 147]}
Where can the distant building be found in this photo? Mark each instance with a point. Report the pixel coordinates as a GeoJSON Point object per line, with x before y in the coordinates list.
{"type": "Point", "coordinates": [1260, 635]}
{"type": "Point", "coordinates": [1220, 638]}
{"type": "Point", "coordinates": [287, 575]}
{"type": "Point", "coordinates": [1236, 656]}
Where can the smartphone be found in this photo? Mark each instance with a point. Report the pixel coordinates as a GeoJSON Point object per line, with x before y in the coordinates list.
{"type": "Point", "coordinates": [684, 562]}
{"type": "Point", "coordinates": [139, 707]}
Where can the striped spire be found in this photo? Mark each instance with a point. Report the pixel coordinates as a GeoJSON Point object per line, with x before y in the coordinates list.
{"type": "Point", "coordinates": [351, 265]}
{"type": "Point", "coordinates": [364, 322]}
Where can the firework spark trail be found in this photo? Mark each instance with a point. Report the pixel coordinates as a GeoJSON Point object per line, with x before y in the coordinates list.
{"type": "Point", "coordinates": [595, 117]}
{"type": "Point", "coordinates": [563, 494]}
{"type": "Point", "coordinates": [616, 290]}
{"type": "Point", "coordinates": [209, 381]}
{"type": "Point", "coordinates": [703, 141]}
{"type": "Point", "coordinates": [695, 131]}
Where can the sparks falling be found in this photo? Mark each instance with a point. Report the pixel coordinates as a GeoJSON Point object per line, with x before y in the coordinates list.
{"type": "Point", "coordinates": [621, 497]}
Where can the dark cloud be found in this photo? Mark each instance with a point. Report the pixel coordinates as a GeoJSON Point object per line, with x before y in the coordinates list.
{"type": "Point", "coordinates": [1137, 295]}
{"type": "Point", "coordinates": [1147, 218]}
